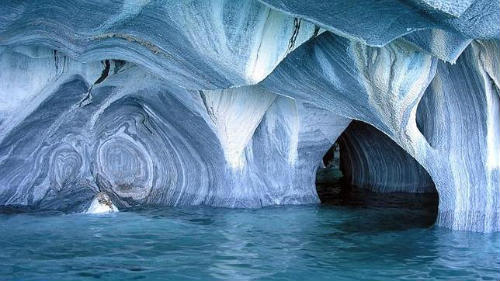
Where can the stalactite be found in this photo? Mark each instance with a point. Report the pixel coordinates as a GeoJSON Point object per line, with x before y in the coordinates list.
{"type": "Point", "coordinates": [234, 103]}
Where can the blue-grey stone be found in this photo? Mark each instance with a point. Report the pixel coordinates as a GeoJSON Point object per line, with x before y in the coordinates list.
{"type": "Point", "coordinates": [234, 103]}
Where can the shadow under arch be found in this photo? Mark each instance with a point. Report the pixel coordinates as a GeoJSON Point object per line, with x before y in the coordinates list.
{"type": "Point", "coordinates": [365, 168]}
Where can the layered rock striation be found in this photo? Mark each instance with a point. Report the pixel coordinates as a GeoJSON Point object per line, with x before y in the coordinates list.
{"type": "Point", "coordinates": [234, 103]}
{"type": "Point", "coordinates": [370, 159]}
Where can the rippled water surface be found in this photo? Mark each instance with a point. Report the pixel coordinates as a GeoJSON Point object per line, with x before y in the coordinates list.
{"type": "Point", "coordinates": [279, 243]}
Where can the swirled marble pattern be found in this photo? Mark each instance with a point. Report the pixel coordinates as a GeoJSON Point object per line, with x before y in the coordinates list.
{"type": "Point", "coordinates": [383, 87]}
{"type": "Point", "coordinates": [377, 23]}
{"type": "Point", "coordinates": [464, 156]}
{"type": "Point", "coordinates": [371, 160]}
{"type": "Point", "coordinates": [233, 103]}
{"type": "Point", "coordinates": [196, 44]}
{"type": "Point", "coordinates": [144, 141]}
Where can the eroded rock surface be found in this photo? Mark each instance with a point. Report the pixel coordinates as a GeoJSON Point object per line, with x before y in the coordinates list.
{"type": "Point", "coordinates": [234, 103]}
{"type": "Point", "coordinates": [371, 160]}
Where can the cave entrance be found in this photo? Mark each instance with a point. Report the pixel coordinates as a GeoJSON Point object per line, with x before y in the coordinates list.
{"type": "Point", "coordinates": [365, 168]}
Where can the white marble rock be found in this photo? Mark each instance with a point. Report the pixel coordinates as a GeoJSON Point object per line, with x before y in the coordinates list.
{"type": "Point", "coordinates": [234, 103]}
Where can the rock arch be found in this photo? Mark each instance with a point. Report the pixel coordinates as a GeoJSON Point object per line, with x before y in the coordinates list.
{"type": "Point", "coordinates": [150, 82]}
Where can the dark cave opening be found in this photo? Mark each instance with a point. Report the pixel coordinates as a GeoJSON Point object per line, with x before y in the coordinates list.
{"type": "Point", "coordinates": [364, 168]}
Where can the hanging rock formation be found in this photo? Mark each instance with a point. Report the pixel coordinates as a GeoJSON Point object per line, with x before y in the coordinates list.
{"type": "Point", "coordinates": [234, 103]}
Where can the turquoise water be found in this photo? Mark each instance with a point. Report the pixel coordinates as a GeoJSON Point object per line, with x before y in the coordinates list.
{"type": "Point", "coordinates": [280, 243]}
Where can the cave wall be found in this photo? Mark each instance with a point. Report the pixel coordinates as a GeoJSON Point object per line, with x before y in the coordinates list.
{"type": "Point", "coordinates": [383, 87]}
{"type": "Point", "coordinates": [464, 156]}
{"type": "Point", "coordinates": [371, 160]}
{"type": "Point", "coordinates": [208, 44]}
{"type": "Point", "coordinates": [145, 141]}
{"type": "Point", "coordinates": [233, 103]}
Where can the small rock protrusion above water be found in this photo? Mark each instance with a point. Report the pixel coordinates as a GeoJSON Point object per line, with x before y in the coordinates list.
{"type": "Point", "coordinates": [102, 204]}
